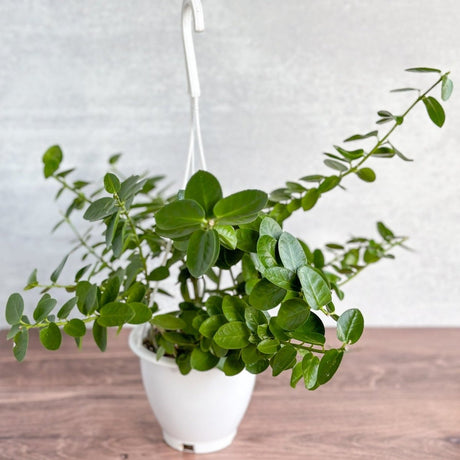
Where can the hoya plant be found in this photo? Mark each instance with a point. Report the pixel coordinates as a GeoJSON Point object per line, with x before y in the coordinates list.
{"type": "Point", "coordinates": [253, 295]}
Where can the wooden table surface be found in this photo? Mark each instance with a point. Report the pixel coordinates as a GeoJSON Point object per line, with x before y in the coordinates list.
{"type": "Point", "coordinates": [396, 396]}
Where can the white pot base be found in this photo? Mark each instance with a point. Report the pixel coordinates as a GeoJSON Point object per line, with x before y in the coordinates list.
{"type": "Point", "coordinates": [198, 447]}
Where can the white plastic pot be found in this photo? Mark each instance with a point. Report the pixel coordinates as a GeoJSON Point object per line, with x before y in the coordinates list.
{"type": "Point", "coordinates": [198, 412]}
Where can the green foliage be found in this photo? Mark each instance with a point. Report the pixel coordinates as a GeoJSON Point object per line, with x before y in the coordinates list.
{"type": "Point", "coordinates": [230, 257]}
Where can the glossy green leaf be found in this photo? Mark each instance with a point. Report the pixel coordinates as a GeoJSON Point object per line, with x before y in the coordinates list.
{"type": "Point", "coordinates": [350, 326]}
{"type": "Point", "coordinates": [66, 309]}
{"type": "Point", "coordinates": [337, 165]}
{"type": "Point", "coordinates": [100, 209]}
{"type": "Point", "coordinates": [202, 361]}
{"type": "Point", "coordinates": [241, 207]}
{"type": "Point", "coordinates": [233, 364]}
{"type": "Point", "coordinates": [44, 308]}
{"type": "Point", "coordinates": [284, 359]}
{"type": "Point", "coordinates": [232, 335]}
{"type": "Point", "coordinates": [233, 308]}
{"type": "Point", "coordinates": [423, 70]}
{"type": "Point", "coordinates": [447, 87]}
{"type": "Point", "coordinates": [32, 280]}
{"type": "Point", "coordinates": [291, 252]}
{"type": "Point", "coordinates": [205, 189]}
{"type": "Point", "coordinates": [55, 275]}
{"type": "Point", "coordinates": [142, 313]}
{"type": "Point", "coordinates": [75, 328]}
{"type": "Point", "coordinates": [310, 366]}
{"type": "Point", "coordinates": [202, 251]}
{"type": "Point", "coordinates": [100, 335]}
{"type": "Point", "coordinates": [183, 215]}
{"type": "Point", "coordinates": [168, 321]}
{"type": "Point", "coordinates": [258, 367]}
{"type": "Point", "coordinates": [210, 325]}
{"type": "Point", "coordinates": [21, 341]}
{"type": "Point", "coordinates": [314, 287]}
{"type": "Point", "coordinates": [296, 374]}
{"type": "Point", "coordinates": [366, 174]}
{"type": "Point", "coordinates": [268, 346]}
{"type": "Point", "coordinates": [435, 110]}
{"type": "Point", "coordinates": [328, 184]}
{"type": "Point", "coordinates": [270, 227]}
{"type": "Point", "coordinates": [266, 251]}
{"type": "Point", "coordinates": [86, 297]}
{"type": "Point", "coordinates": [384, 231]}
{"type": "Point", "coordinates": [292, 313]}
{"type": "Point", "coordinates": [247, 240]}
{"type": "Point", "coordinates": [310, 199]}
{"type": "Point", "coordinates": [328, 365]}
{"type": "Point", "coordinates": [52, 159]}
{"type": "Point", "coordinates": [115, 314]}
{"type": "Point", "coordinates": [227, 235]}
{"type": "Point", "coordinates": [111, 183]}
{"type": "Point", "coordinates": [359, 137]}
{"type": "Point", "coordinates": [266, 295]}
{"type": "Point", "coordinates": [311, 331]}
{"type": "Point", "coordinates": [51, 337]}
{"type": "Point", "coordinates": [282, 277]}
{"type": "Point", "coordinates": [14, 308]}
{"type": "Point", "coordinates": [254, 318]}
{"type": "Point", "coordinates": [129, 187]}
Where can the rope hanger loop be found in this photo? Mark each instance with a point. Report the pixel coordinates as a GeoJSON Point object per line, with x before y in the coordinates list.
{"type": "Point", "coordinates": [192, 20]}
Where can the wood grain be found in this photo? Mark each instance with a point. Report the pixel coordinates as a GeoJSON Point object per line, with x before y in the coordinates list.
{"type": "Point", "coordinates": [396, 396]}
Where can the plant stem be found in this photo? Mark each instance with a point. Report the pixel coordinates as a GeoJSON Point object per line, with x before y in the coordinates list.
{"type": "Point", "coordinates": [303, 347]}
{"type": "Point", "coordinates": [72, 189]}
{"type": "Point", "coordinates": [58, 323]}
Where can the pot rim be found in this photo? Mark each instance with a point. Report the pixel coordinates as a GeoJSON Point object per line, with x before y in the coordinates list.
{"type": "Point", "coordinates": [135, 343]}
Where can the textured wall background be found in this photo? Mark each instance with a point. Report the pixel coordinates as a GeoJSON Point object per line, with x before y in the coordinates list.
{"type": "Point", "coordinates": [281, 82]}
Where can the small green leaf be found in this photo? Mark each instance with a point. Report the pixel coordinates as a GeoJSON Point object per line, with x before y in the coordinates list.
{"type": "Point", "coordinates": [270, 227]}
{"type": "Point", "coordinates": [232, 335]}
{"type": "Point", "coordinates": [310, 199]}
{"type": "Point", "coordinates": [310, 365]}
{"type": "Point", "coordinates": [100, 335]}
{"type": "Point", "coordinates": [311, 331]}
{"type": "Point", "coordinates": [233, 308]}
{"type": "Point", "coordinates": [44, 308]}
{"type": "Point", "coordinates": [266, 251]}
{"type": "Point", "coordinates": [247, 239]}
{"type": "Point", "coordinates": [21, 340]}
{"type": "Point", "coordinates": [100, 209]}
{"type": "Point", "coordinates": [403, 90]}
{"type": "Point", "coordinates": [291, 252]}
{"type": "Point", "coordinates": [51, 337]}
{"type": "Point", "coordinates": [358, 137]}
{"type": "Point", "coordinates": [227, 236]}
{"type": "Point", "coordinates": [111, 183]}
{"type": "Point", "coordinates": [284, 359]}
{"type": "Point", "coordinates": [115, 314]}
{"type": "Point", "coordinates": [52, 159]}
{"type": "Point", "coordinates": [423, 70]}
{"type": "Point", "coordinates": [435, 110]}
{"type": "Point", "coordinates": [210, 325]}
{"type": "Point", "coordinates": [55, 275]}
{"type": "Point", "coordinates": [446, 88]}
{"type": "Point", "coordinates": [180, 217]}
{"type": "Point", "coordinates": [233, 364]}
{"type": "Point", "coordinates": [202, 251]}
{"type": "Point", "coordinates": [292, 314]}
{"type": "Point", "coordinates": [254, 318]}
{"type": "Point", "coordinates": [113, 159]}
{"type": "Point", "coordinates": [32, 280]}
{"type": "Point", "coordinates": [241, 207]}
{"type": "Point", "coordinates": [142, 313]}
{"type": "Point", "coordinates": [14, 309]}
{"type": "Point", "coordinates": [159, 274]}
{"type": "Point", "coordinates": [268, 346]}
{"type": "Point", "coordinates": [384, 231]}
{"type": "Point", "coordinates": [328, 184]}
{"type": "Point", "coordinates": [266, 295]}
{"type": "Point", "coordinates": [205, 189]}
{"type": "Point", "coordinates": [328, 365]}
{"type": "Point", "coordinates": [314, 287]}
{"type": "Point", "coordinates": [296, 374]}
{"type": "Point", "coordinates": [75, 328]}
{"type": "Point", "coordinates": [168, 321]}
{"type": "Point", "coordinates": [65, 310]}
{"type": "Point", "coordinates": [202, 361]}
{"type": "Point", "coordinates": [335, 165]}
{"type": "Point", "coordinates": [282, 277]}
{"type": "Point", "coordinates": [350, 326]}
{"type": "Point", "coordinates": [366, 174]}
{"type": "Point", "coordinates": [86, 297]}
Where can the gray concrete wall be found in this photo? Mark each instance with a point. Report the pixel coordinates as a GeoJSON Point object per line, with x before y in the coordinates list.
{"type": "Point", "coordinates": [281, 82]}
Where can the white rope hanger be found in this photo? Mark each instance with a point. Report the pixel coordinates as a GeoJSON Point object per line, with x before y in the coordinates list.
{"type": "Point", "coordinates": [192, 11]}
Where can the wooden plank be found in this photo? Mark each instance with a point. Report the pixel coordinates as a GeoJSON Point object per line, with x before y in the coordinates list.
{"type": "Point", "coordinates": [396, 396]}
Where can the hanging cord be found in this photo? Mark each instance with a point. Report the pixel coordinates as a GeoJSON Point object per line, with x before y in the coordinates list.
{"type": "Point", "coordinates": [191, 10]}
